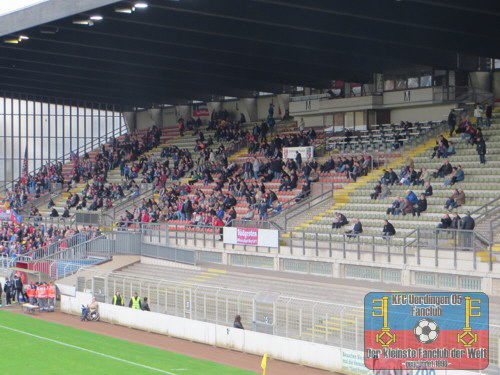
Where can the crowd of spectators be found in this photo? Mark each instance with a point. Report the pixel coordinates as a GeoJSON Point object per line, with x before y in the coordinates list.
{"type": "Point", "coordinates": [415, 205]}
{"type": "Point", "coordinates": [26, 239]}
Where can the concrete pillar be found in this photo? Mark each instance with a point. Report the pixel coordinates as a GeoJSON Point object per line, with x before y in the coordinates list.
{"type": "Point", "coordinates": [129, 118]}
{"type": "Point", "coordinates": [157, 117]}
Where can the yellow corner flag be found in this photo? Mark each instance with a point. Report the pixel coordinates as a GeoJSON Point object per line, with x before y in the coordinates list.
{"type": "Point", "coordinates": [263, 364]}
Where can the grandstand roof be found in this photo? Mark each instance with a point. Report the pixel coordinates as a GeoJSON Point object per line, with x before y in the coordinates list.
{"type": "Point", "coordinates": [175, 51]}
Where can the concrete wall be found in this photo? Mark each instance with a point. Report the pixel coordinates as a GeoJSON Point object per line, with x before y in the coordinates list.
{"type": "Point", "coordinates": [285, 349]}
{"type": "Point", "coordinates": [496, 84]}
{"type": "Point", "coordinates": [424, 113]}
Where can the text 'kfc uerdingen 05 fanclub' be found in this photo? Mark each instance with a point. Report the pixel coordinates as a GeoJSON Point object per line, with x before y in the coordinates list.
{"type": "Point", "coordinates": [440, 331]}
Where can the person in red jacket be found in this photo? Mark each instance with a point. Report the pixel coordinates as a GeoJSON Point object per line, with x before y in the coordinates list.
{"type": "Point", "coordinates": [31, 292]}
{"type": "Point", "coordinates": [217, 222]}
{"type": "Point", "coordinates": [51, 294]}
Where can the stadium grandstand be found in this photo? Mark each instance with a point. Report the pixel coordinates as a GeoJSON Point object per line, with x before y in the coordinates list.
{"type": "Point", "coordinates": [242, 173]}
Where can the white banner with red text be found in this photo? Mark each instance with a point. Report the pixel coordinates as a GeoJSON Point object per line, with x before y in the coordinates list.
{"type": "Point", "coordinates": [251, 236]}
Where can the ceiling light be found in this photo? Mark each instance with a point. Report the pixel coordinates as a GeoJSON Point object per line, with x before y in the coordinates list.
{"type": "Point", "coordinates": [124, 9]}
{"type": "Point", "coordinates": [96, 17]}
{"type": "Point", "coordinates": [141, 5]}
{"type": "Point", "coordinates": [85, 22]}
{"type": "Point", "coordinates": [23, 37]}
{"type": "Point", "coordinates": [11, 40]}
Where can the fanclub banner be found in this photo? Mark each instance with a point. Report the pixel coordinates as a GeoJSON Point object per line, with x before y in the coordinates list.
{"type": "Point", "coordinates": [200, 110]}
{"type": "Point", "coordinates": [291, 152]}
{"type": "Point", "coordinates": [251, 236]}
{"type": "Point", "coordinates": [432, 331]}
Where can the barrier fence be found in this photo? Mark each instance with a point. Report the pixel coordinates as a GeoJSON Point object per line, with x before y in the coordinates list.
{"type": "Point", "coordinates": [272, 313]}
{"type": "Point", "coordinates": [443, 246]}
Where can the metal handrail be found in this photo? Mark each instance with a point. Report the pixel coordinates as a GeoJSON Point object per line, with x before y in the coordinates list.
{"type": "Point", "coordinates": [292, 211]}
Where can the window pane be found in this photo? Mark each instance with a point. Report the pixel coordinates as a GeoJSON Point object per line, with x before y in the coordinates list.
{"type": "Point", "coordinates": [400, 83]}
{"type": "Point", "coordinates": [388, 85]}
{"type": "Point", "coordinates": [426, 81]}
{"type": "Point", "coordinates": [412, 83]}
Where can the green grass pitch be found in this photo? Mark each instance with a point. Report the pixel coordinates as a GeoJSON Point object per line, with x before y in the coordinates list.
{"type": "Point", "coordinates": [41, 347]}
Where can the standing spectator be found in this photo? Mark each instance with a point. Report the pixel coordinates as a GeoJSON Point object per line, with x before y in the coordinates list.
{"type": "Point", "coordinates": [388, 229]}
{"type": "Point", "coordinates": [145, 305]}
{"type": "Point", "coordinates": [118, 299]}
{"type": "Point", "coordinates": [298, 159]}
{"type": "Point", "coordinates": [452, 121]}
{"type": "Point", "coordinates": [489, 113]}
{"type": "Point", "coordinates": [237, 322]}
{"type": "Point", "coordinates": [481, 149]}
{"type": "Point", "coordinates": [18, 288]}
{"type": "Point", "coordinates": [478, 114]}
{"type": "Point", "coordinates": [467, 224]}
{"type": "Point", "coordinates": [302, 125]}
{"type": "Point", "coordinates": [456, 221]}
{"type": "Point", "coordinates": [135, 302]}
{"type": "Point", "coordinates": [8, 288]}
{"type": "Point", "coordinates": [1, 291]}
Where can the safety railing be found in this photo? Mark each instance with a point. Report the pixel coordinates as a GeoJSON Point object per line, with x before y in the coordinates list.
{"type": "Point", "coordinates": [62, 244]}
{"type": "Point", "coordinates": [272, 313]}
{"type": "Point", "coordinates": [461, 248]}
{"type": "Point", "coordinates": [294, 208]}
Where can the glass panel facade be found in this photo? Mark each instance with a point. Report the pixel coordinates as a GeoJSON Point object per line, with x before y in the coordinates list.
{"type": "Point", "coordinates": [49, 129]}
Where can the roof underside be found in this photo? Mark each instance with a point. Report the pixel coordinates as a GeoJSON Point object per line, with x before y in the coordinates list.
{"type": "Point", "coordinates": [175, 51]}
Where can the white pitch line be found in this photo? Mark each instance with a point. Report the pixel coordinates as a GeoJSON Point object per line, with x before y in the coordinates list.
{"type": "Point", "coordinates": [88, 350]}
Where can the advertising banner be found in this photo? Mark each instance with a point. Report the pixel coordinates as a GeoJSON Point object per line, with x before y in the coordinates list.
{"type": "Point", "coordinates": [291, 152]}
{"type": "Point", "coordinates": [251, 236]}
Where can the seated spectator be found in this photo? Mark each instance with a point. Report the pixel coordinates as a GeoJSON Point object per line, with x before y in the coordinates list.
{"type": "Point", "coordinates": [339, 221]}
{"type": "Point", "coordinates": [54, 213]}
{"type": "Point", "coordinates": [457, 199]}
{"type": "Point", "coordinates": [421, 205]}
{"type": "Point", "coordinates": [422, 177]}
{"type": "Point", "coordinates": [395, 208]}
{"type": "Point", "coordinates": [428, 189]}
{"type": "Point", "coordinates": [356, 229]}
{"type": "Point", "coordinates": [328, 166]}
{"type": "Point", "coordinates": [388, 229]}
{"type": "Point", "coordinates": [386, 192]}
{"type": "Point", "coordinates": [444, 170]}
{"type": "Point", "coordinates": [456, 176]}
{"type": "Point", "coordinates": [411, 197]}
{"type": "Point", "coordinates": [451, 149]}
{"type": "Point", "coordinates": [407, 207]}
{"type": "Point", "coordinates": [66, 212]}
{"type": "Point", "coordinates": [445, 222]}
{"type": "Point", "coordinates": [377, 190]}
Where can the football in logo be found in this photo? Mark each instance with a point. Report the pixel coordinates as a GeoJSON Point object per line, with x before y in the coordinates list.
{"type": "Point", "coordinates": [426, 331]}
